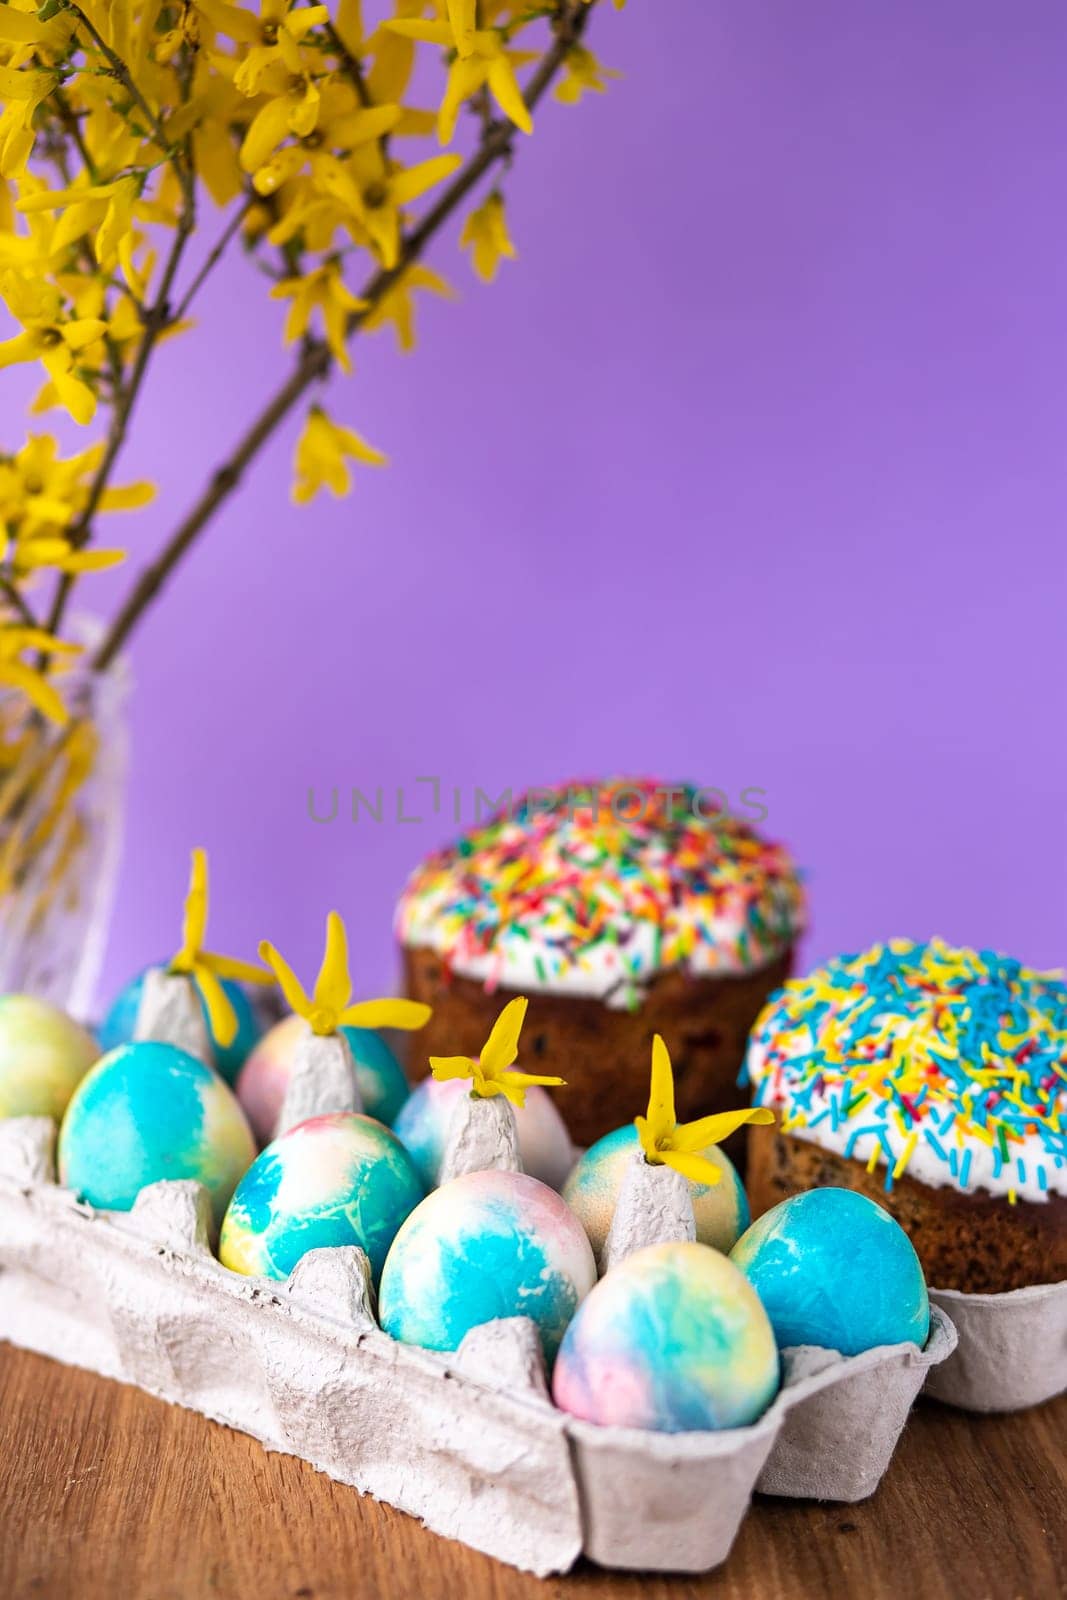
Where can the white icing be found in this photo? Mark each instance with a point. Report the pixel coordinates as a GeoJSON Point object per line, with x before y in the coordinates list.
{"type": "Point", "coordinates": [618, 977]}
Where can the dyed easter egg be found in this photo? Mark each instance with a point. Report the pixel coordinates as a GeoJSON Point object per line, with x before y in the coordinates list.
{"type": "Point", "coordinates": [834, 1269]}
{"type": "Point", "coordinates": [43, 1057]}
{"type": "Point", "coordinates": [591, 1191]}
{"type": "Point", "coordinates": [486, 1245]}
{"type": "Point", "coordinates": [119, 1024]}
{"type": "Point", "coordinates": [333, 1180]}
{"type": "Point", "coordinates": [544, 1143]}
{"type": "Point", "coordinates": [673, 1339]}
{"type": "Point", "coordinates": [264, 1077]}
{"type": "Point", "coordinates": [149, 1111]}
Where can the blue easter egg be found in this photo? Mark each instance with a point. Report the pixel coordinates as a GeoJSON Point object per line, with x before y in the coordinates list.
{"type": "Point", "coordinates": [119, 1024]}
{"type": "Point", "coordinates": [673, 1339]}
{"type": "Point", "coordinates": [381, 1079]}
{"type": "Point", "coordinates": [149, 1111]}
{"type": "Point", "coordinates": [485, 1245]}
{"type": "Point", "coordinates": [834, 1269]}
{"type": "Point", "coordinates": [339, 1179]}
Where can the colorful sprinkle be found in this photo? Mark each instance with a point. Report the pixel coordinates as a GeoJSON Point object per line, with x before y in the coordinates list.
{"type": "Point", "coordinates": [595, 887]}
{"type": "Point", "coordinates": [939, 1041]}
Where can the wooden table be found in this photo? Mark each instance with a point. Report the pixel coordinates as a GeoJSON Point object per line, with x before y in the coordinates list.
{"type": "Point", "coordinates": [106, 1494]}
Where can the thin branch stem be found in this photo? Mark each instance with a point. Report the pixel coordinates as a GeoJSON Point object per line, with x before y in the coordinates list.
{"type": "Point", "coordinates": [352, 65]}
{"type": "Point", "coordinates": [214, 257]}
{"type": "Point", "coordinates": [18, 604]}
{"type": "Point", "coordinates": [73, 127]}
{"type": "Point", "coordinates": [316, 361]}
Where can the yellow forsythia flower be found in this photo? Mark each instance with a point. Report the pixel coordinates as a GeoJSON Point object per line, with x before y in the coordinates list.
{"type": "Point", "coordinates": [330, 1005]}
{"type": "Point", "coordinates": [485, 233]}
{"type": "Point", "coordinates": [204, 967]}
{"type": "Point", "coordinates": [491, 1072]}
{"type": "Point", "coordinates": [583, 75]}
{"type": "Point", "coordinates": [322, 451]}
{"type": "Point", "coordinates": [670, 1143]}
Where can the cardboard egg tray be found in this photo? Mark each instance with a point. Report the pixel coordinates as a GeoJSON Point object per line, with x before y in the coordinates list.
{"type": "Point", "coordinates": [470, 1443]}
{"type": "Point", "coordinates": [1011, 1351]}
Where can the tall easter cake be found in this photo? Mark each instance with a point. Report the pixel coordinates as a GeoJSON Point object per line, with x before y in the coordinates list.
{"type": "Point", "coordinates": [623, 909]}
{"type": "Point", "coordinates": [934, 1080]}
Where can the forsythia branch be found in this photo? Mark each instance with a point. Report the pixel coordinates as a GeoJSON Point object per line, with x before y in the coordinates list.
{"type": "Point", "coordinates": [317, 359]}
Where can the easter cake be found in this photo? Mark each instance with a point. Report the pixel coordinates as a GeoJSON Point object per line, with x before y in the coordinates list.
{"type": "Point", "coordinates": [623, 909]}
{"type": "Point", "coordinates": [934, 1080]}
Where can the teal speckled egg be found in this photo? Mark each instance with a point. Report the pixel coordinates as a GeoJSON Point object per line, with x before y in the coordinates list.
{"type": "Point", "coordinates": [720, 1209]}
{"type": "Point", "coordinates": [486, 1245]}
{"type": "Point", "coordinates": [149, 1111]}
{"type": "Point", "coordinates": [118, 1026]}
{"type": "Point", "coordinates": [43, 1057]}
{"type": "Point", "coordinates": [834, 1269]}
{"type": "Point", "coordinates": [264, 1077]}
{"type": "Point", "coordinates": [673, 1339]}
{"type": "Point", "coordinates": [339, 1179]}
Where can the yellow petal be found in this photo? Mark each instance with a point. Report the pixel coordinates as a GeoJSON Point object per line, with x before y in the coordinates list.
{"type": "Point", "coordinates": [38, 691]}
{"type": "Point", "coordinates": [526, 1079]}
{"type": "Point", "coordinates": [696, 1168]}
{"type": "Point", "coordinates": [333, 988]}
{"type": "Point", "coordinates": [464, 79]}
{"type": "Point", "coordinates": [268, 128]}
{"type": "Point", "coordinates": [502, 1045]}
{"type": "Point", "coordinates": [76, 335]}
{"type": "Point", "coordinates": [77, 398]}
{"type": "Point", "coordinates": [445, 1067]}
{"type": "Point", "coordinates": [695, 1136]}
{"type": "Point", "coordinates": [661, 1118]}
{"type": "Point", "coordinates": [357, 447]}
{"type": "Point", "coordinates": [236, 971]}
{"type": "Point", "coordinates": [463, 21]}
{"type": "Point", "coordinates": [426, 32]}
{"type": "Point", "coordinates": [127, 496]}
{"type": "Point", "coordinates": [304, 117]}
{"type": "Point", "coordinates": [92, 560]}
{"type": "Point", "coordinates": [194, 920]}
{"type": "Point", "coordinates": [288, 982]}
{"type": "Point", "coordinates": [507, 94]}
{"type": "Point", "coordinates": [221, 1015]}
{"type": "Point", "coordinates": [407, 1015]}
{"type": "Point", "coordinates": [23, 347]}
{"type": "Point", "coordinates": [489, 1088]}
{"type": "Point", "coordinates": [360, 127]}
{"type": "Point", "coordinates": [414, 181]}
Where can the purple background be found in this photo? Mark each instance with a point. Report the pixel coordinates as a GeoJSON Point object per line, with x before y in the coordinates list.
{"type": "Point", "coordinates": [751, 469]}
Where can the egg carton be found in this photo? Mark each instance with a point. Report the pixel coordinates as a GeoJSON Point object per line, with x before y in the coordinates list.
{"type": "Point", "coordinates": [1011, 1351]}
{"type": "Point", "coordinates": [469, 1443]}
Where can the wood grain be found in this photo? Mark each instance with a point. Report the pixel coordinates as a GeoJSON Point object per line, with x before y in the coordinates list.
{"type": "Point", "coordinates": [106, 1494]}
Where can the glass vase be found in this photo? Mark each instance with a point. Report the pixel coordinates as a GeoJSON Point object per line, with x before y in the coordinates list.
{"type": "Point", "coordinates": [62, 809]}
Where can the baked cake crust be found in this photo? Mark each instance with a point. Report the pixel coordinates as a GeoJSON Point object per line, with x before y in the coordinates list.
{"type": "Point", "coordinates": [976, 1242]}
{"type": "Point", "coordinates": [602, 1053]}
